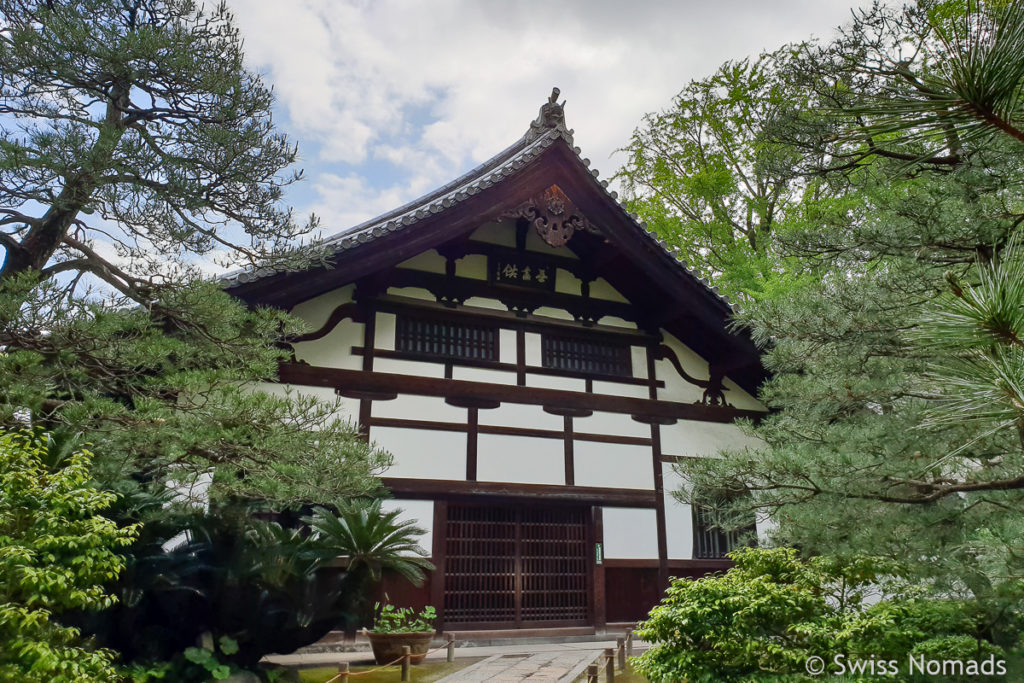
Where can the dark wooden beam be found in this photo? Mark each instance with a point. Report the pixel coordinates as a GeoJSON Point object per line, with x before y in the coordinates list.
{"type": "Point", "coordinates": [659, 508]}
{"type": "Point", "coordinates": [599, 593]}
{"type": "Point", "coordinates": [308, 375]}
{"type": "Point", "coordinates": [691, 565]}
{"type": "Point", "coordinates": [439, 557]}
{"type": "Point", "coordinates": [471, 442]}
{"type": "Point", "coordinates": [570, 459]}
{"type": "Point", "coordinates": [520, 370]}
{"type": "Point", "coordinates": [446, 489]}
{"type": "Point", "coordinates": [430, 425]}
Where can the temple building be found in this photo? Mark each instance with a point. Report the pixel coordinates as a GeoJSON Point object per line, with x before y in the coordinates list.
{"type": "Point", "coordinates": [536, 361]}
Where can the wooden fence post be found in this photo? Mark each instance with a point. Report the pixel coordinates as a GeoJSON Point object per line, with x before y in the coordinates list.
{"type": "Point", "coordinates": [592, 673]}
{"type": "Point", "coordinates": [451, 646]}
{"type": "Point", "coordinates": [609, 665]}
{"type": "Point", "coordinates": [343, 672]}
{"type": "Point", "coordinates": [620, 650]}
{"type": "Point", "coordinates": [629, 642]}
{"type": "Point", "coordinates": [406, 656]}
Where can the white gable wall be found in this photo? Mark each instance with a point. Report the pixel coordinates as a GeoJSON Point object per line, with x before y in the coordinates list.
{"type": "Point", "coordinates": [629, 533]}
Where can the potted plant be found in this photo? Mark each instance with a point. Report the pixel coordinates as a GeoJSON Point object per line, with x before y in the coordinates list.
{"type": "Point", "coordinates": [396, 627]}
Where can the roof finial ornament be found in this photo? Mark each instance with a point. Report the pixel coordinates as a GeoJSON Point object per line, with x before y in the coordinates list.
{"type": "Point", "coordinates": [551, 116]}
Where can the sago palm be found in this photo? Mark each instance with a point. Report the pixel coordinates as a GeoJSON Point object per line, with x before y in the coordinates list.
{"type": "Point", "coordinates": [373, 540]}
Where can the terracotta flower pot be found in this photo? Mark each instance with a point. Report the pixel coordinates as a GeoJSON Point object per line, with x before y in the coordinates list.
{"type": "Point", "coordinates": [387, 647]}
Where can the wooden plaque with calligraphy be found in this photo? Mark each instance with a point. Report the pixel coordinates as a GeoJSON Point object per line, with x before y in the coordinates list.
{"type": "Point", "coordinates": [522, 272]}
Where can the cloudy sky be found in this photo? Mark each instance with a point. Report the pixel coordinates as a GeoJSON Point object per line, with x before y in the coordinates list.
{"type": "Point", "coordinates": [389, 99]}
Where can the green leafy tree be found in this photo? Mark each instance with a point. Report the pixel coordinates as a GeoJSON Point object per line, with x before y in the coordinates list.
{"type": "Point", "coordinates": [708, 176]}
{"type": "Point", "coordinates": [56, 553]}
{"type": "Point", "coordinates": [895, 429]}
{"type": "Point", "coordinates": [134, 144]}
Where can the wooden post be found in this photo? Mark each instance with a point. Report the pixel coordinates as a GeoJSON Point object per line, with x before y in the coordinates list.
{"type": "Point", "coordinates": [620, 650]}
{"type": "Point", "coordinates": [451, 646]}
{"type": "Point", "coordinates": [609, 665]}
{"type": "Point", "coordinates": [629, 642]}
{"type": "Point", "coordinates": [592, 673]}
{"type": "Point", "coordinates": [406, 656]}
{"type": "Point", "coordinates": [343, 672]}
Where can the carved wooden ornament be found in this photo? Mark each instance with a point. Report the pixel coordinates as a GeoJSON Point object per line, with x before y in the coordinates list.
{"type": "Point", "coordinates": [553, 215]}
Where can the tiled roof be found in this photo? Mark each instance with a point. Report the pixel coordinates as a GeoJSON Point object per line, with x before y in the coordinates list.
{"type": "Point", "coordinates": [549, 127]}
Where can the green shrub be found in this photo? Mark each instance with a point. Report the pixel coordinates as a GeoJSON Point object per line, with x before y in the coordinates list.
{"type": "Point", "coordinates": [55, 552]}
{"type": "Point", "coordinates": [763, 619]}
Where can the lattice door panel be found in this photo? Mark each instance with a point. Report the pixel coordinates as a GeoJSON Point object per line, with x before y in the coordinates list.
{"type": "Point", "coordinates": [554, 556]}
{"type": "Point", "coordinates": [480, 565]}
{"type": "Point", "coordinates": [516, 566]}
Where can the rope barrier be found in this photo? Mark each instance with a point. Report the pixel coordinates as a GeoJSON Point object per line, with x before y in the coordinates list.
{"type": "Point", "coordinates": [382, 666]}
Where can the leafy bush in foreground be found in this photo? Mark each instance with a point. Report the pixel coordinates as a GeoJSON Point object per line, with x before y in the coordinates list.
{"type": "Point", "coordinates": [762, 619]}
{"type": "Point", "coordinates": [55, 552]}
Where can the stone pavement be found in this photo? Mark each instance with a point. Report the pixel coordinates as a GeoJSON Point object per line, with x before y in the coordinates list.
{"type": "Point", "coordinates": [549, 667]}
{"type": "Point", "coordinates": [538, 662]}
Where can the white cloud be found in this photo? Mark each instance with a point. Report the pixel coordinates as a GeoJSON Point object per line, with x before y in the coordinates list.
{"type": "Point", "coordinates": [433, 88]}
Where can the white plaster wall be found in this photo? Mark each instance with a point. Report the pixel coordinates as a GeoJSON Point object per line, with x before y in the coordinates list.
{"type": "Point", "coordinates": [567, 283]}
{"type": "Point", "coordinates": [507, 346]}
{"type": "Point", "coordinates": [613, 321]}
{"type": "Point", "coordinates": [612, 465]}
{"type": "Point", "coordinates": [419, 511]}
{"type": "Point", "coordinates": [520, 415]}
{"type": "Point", "coordinates": [384, 331]}
{"type": "Point", "coordinates": [429, 261]}
{"type": "Point", "coordinates": [408, 367]}
{"type": "Point", "coordinates": [472, 266]}
{"type": "Point", "coordinates": [422, 454]}
{"type": "Point", "coordinates": [412, 293]}
{"type": "Point", "coordinates": [555, 382]}
{"type": "Point", "coordinates": [556, 313]}
{"type": "Point", "coordinates": [600, 289]}
{"type": "Point", "coordinates": [678, 389]}
{"type": "Point", "coordinates": [496, 233]}
{"type": "Point", "coordinates": [618, 389]}
{"type": "Point", "coordinates": [483, 375]}
{"type": "Point", "coordinates": [315, 311]}
{"type": "Point", "coordinates": [335, 349]}
{"type": "Point", "coordinates": [410, 407]}
{"type": "Point", "coordinates": [630, 533]}
{"type": "Point", "coordinates": [704, 439]}
{"type": "Point", "coordinates": [533, 355]}
{"type": "Point", "coordinates": [678, 516]}
{"type": "Point", "coordinates": [482, 302]}
{"type": "Point", "coordinates": [520, 459]}
{"type": "Point", "coordinates": [639, 359]}
{"type": "Point", "coordinates": [740, 398]}
{"type": "Point", "coordinates": [618, 424]}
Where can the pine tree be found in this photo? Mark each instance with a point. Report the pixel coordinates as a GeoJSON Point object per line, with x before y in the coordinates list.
{"type": "Point", "coordinates": [896, 424]}
{"type": "Point", "coordinates": [133, 144]}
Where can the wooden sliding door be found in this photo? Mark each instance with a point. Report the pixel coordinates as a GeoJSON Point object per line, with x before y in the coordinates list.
{"type": "Point", "coordinates": [516, 566]}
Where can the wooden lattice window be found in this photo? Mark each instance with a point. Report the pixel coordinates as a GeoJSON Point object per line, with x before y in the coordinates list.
{"type": "Point", "coordinates": [446, 339]}
{"type": "Point", "coordinates": [710, 542]}
{"type": "Point", "coordinates": [592, 357]}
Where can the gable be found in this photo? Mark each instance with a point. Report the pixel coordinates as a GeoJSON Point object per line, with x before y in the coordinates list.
{"type": "Point", "coordinates": [536, 204]}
